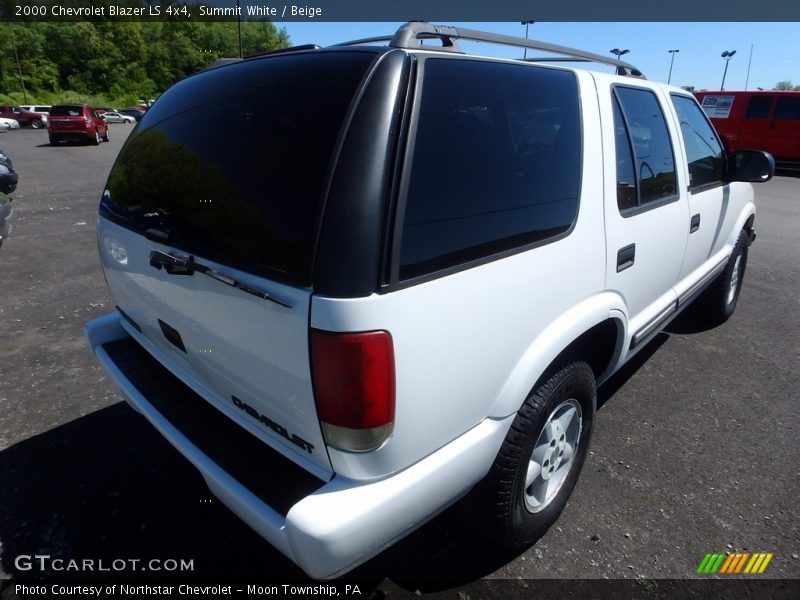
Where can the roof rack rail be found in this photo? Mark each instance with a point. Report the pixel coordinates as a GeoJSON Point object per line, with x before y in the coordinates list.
{"type": "Point", "coordinates": [300, 48]}
{"type": "Point", "coordinates": [410, 36]}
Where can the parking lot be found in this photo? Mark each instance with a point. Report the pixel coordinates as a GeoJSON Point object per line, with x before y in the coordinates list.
{"type": "Point", "coordinates": [695, 449]}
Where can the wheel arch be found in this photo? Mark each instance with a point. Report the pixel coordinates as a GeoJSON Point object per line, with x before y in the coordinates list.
{"type": "Point", "coordinates": [593, 331]}
{"type": "Point", "coordinates": [744, 220]}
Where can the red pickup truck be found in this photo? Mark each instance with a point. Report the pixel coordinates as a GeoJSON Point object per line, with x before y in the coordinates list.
{"type": "Point", "coordinates": [24, 117]}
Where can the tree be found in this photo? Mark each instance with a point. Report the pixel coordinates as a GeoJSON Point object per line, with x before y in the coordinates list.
{"type": "Point", "coordinates": [110, 62]}
{"type": "Point", "coordinates": [786, 85]}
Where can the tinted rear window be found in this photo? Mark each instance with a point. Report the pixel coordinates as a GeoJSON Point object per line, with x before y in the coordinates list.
{"type": "Point", "coordinates": [232, 163]}
{"type": "Point", "coordinates": [758, 107]}
{"type": "Point", "coordinates": [496, 162]}
{"type": "Point", "coordinates": [788, 108]}
{"type": "Point", "coordinates": [66, 111]}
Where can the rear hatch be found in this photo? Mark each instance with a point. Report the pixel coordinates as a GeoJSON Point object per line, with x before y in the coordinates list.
{"type": "Point", "coordinates": [208, 227]}
{"type": "Point", "coordinates": [67, 118]}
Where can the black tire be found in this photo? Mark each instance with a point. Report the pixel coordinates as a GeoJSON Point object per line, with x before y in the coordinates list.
{"type": "Point", "coordinates": [53, 141]}
{"type": "Point", "coordinates": [722, 296]}
{"type": "Point", "coordinates": [37, 124]}
{"type": "Point", "coordinates": [105, 137]}
{"type": "Point", "coordinates": [512, 516]}
{"type": "Point", "coordinates": [96, 140]}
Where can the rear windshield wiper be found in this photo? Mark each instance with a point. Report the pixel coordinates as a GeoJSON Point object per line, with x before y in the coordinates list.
{"type": "Point", "coordinates": [181, 264]}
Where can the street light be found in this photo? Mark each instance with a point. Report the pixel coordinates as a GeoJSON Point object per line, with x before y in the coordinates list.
{"type": "Point", "coordinates": [19, 65]}
{"type": "Point", "coordinates": [727, 55]}
{"type": "Point", "coordinates": [239, 27]}
{"type": "Point", "coordinates": [619, 52]}
{"type": "Point", "coordinates": [526, 23]}
{"type": "Point", "coordinates": [671, 61]}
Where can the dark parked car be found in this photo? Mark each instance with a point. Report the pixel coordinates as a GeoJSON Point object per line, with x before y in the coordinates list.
{"type": "Point", "coordinates": [25, 118]}
{"type": "Point", "coordinates": [76, 122]}
{"type": "Point", "coordinates": [8, 183]}
{"type": "Point", "coordinates": [8, 178]}
{"type": "Point", "coordinates": [136, 113]}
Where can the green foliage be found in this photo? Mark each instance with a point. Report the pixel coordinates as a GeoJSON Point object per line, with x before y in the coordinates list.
{"type": "Point", "coordinates": [786, 85]}
{"type": "Point", "coordinates": [107, 63]}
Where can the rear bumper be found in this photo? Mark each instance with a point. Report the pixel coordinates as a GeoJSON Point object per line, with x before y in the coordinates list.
{"type": "Point", "coordinates": [78, 134]}
{"type": "Point", "coordinates": [337, 525]}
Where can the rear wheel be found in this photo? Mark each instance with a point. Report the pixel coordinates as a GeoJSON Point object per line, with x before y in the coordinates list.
{"type": "Point", "coordinates": [53, 141]}
{"type": "Point", "coordinates": [541, 458]}
{"type": "Point", "coordinates": [37, 124]}
{"type": "Point", "coordinates": [96, 140]}
{"type": "Point", "coordinates": [105, 137]}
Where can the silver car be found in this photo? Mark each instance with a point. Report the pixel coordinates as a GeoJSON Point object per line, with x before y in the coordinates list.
{"type": "Point", "coordinates": [6, 124]}
{"type": "Point", "coordinates": [113, 116]}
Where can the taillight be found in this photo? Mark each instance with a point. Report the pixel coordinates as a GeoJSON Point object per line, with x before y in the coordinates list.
{"type": "Point", "coordinates": [354, 386]}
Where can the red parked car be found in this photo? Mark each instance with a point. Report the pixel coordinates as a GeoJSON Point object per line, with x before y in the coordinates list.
{"type": "Point", "coordinates": [73, 122]}
{"type": "Point", "coordinates": [25, 118]}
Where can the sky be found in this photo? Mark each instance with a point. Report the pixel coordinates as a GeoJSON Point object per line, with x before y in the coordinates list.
{"type": "Point", "coordinates": [775, 47]}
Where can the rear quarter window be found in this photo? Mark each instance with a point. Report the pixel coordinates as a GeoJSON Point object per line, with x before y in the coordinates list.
{"type": "Point", "coordinates": [495, 163]}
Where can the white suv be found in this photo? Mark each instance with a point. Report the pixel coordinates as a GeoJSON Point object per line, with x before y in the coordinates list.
{"type": "Point", "coordinates": [399, 272]}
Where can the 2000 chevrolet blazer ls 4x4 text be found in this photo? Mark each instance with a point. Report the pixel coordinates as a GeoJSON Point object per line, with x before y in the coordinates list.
{"type": "Point", "coordinates": [398, 274]}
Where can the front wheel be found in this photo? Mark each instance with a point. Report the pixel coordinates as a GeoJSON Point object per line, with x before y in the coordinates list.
{"type": "Point", "coordinates": [37, 124]}
{"type": "Point", "coordinates": [722, 296]}
{"type": "Point", "coordinates": [541, 458]}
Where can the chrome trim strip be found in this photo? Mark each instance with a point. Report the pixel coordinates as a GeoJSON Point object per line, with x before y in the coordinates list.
{"type": "Point", "coordinates": [702, 283]}
{"type": "Point", "coordinates": [653, 324]}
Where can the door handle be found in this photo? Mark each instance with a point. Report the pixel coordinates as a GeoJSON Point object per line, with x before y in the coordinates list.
{"type": "Point", "coordinates": [695, 224]}
{"type": "Point", "coordinates": [626, 257]}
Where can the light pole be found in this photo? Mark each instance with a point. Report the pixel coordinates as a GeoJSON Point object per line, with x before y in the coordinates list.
{"type": "Point", "coordinates": [526, 23]}
{"type": "Point", "coordinates": [19, 65]}
{"type": "Point", "coordinates": [727, 55]}
{"type": "Point", "coordinates": [239, 27]}
{"type": "Point", "coordinates": [619, 53]}
{"type": "Point", "coordinates": [671, 61]}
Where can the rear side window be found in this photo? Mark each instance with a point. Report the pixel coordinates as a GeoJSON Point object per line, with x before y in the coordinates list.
{"type": "Point", "coordinates": [703, 149]}
{"type": "Point", "coordinates": [231, 163]}
{"type": "Point", "coordinates": [495, 166]}
{"type": "Point", "coordinates": [648, 155]}
{"type": "Point", "coordinates": [758, 107]}
{"type": "Point", "coordinates": [788, 108]}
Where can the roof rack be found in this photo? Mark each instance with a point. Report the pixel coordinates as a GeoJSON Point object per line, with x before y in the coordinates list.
{"type": "Point", "coordinates": [411, 35]}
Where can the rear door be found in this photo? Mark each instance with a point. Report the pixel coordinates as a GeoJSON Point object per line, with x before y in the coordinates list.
{"type": "Point", "coordinates": [647, 216]}
{"type": "Point", "coordinates": [226, 174]}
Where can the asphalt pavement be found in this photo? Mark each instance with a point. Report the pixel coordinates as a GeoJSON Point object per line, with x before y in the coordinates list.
{"type": "Point", "coordinates": [695, 449]}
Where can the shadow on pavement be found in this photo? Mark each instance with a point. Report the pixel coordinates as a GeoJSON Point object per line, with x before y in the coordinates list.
{"type": "Point", "coordinates": [107, 487]}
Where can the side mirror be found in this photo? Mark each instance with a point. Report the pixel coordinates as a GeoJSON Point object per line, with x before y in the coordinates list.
{"type": "Point", "coordinates": [755, 166]}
